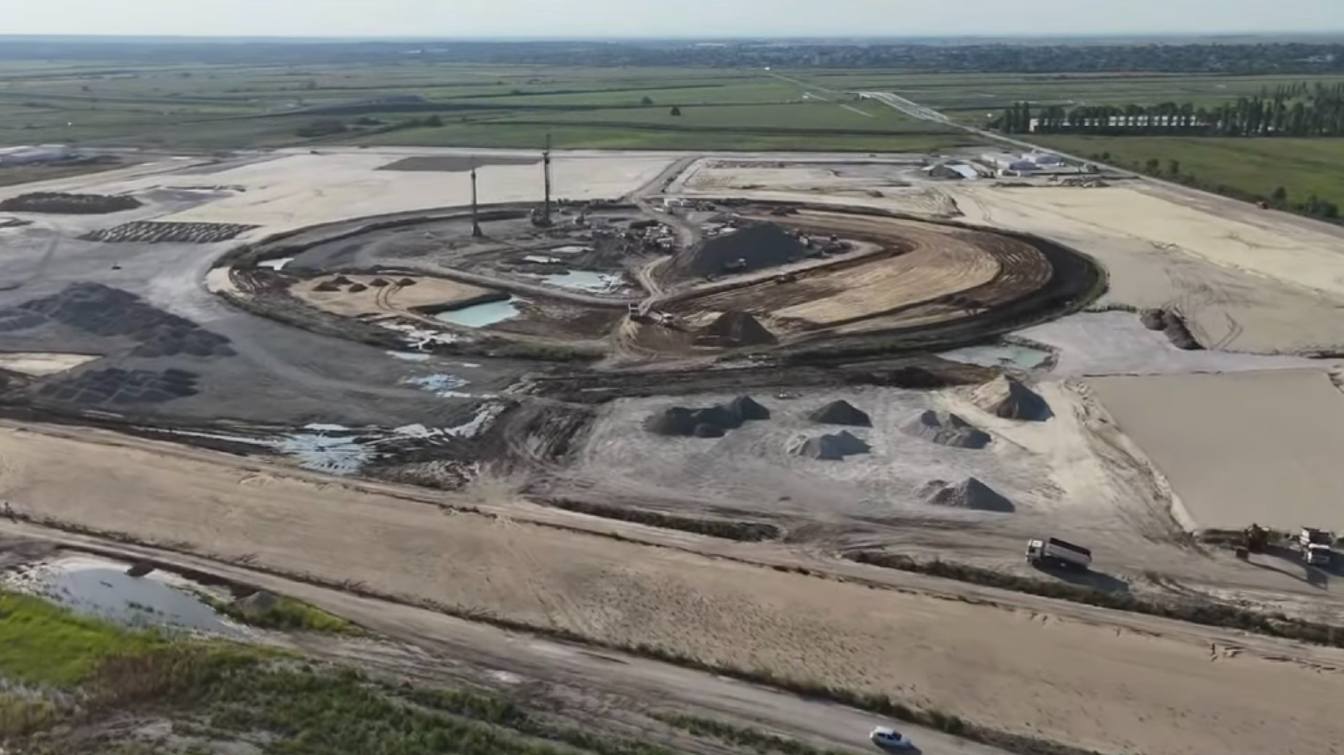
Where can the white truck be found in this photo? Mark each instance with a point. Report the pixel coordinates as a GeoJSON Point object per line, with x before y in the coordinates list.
{"type": "Point", "coordinates": [1315, 546]}
{"type": "Point", "coordinates": [1051, 551]}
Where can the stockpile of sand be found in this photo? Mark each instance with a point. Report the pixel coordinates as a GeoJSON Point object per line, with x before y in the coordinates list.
{"type": "Point", "coordinates": [968, 494]}
{"type": "Point", "coordinates": [830, 447]}
{"type": "Point", "coordinates": [1170, 322]}
{"type": "Point", "coordinates": [841, 413]}
{"type": "Point", "coordinates": [1008, 398]}
{"type": "Point", "coordinates": [710, 422]}
{"type": "Point", "coordinates": [946, 429]}
{"type": "Point", "coordinates": [751, 248]}
{"type": "Point", "coordinates": [735, 329]}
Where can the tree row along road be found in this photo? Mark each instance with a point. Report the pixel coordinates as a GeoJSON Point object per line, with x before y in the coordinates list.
{"type": "Point", "coordinates": [539, 659]}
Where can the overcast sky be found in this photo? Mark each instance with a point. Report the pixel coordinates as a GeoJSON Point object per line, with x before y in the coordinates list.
{"type": "Point", "coordinates": [653, 18]}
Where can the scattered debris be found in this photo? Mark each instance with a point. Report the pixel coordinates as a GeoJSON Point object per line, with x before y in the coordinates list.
{"type": "Point", "coordinates": [156, 232]}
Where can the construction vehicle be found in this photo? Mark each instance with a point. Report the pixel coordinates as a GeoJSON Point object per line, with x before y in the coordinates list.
{"type": "Point", "coordinates": [1255, 538]}
{"type": "Point", "coordinates": [1051, 551]}
{"type": "Point", "coordinates": [1315, 545]}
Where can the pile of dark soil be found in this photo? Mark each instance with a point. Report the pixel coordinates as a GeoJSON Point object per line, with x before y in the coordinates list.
{"type": "Point", "coordinates": [14, 223]}
{"type": "Point", "coordinates": [733, 329]}
{"type": "Point", "coordinates": [710, 422]}
{"type": "Point", "coordinates": [118, 386]}
{"type": "Point", "coordinates": [69, 204]}
{"type": "Point", "coordinates": [106, 311]}
{"type": "Point", "coordinates": [1008, 398]}
{"type": "Point", "coordinates": [754, 247]}
{"type": "Point", "coordinates": [969, 494]}
{"type": "Point", "coordinates": [841, 413]}
{"type": "Point", "coordinates": [946, 429]}
{"type": "Point", "coordinates": [1170, 322]}
{"type": "Point", "coordinates": [831, 447]}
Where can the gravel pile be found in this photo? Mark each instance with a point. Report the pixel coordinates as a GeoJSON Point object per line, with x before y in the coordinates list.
{"type": "Point", "coordinates": [1008, 398]}
{"type": "Point", "coordinates": [841, 413]}
{"type": "Point", "coordinates": [709, 422]}
{"type": "Point", "coordinates": [968, 494]}
{"type": "Point", "coordinates": [946, 429]}
{"type": "Point", "coordinates": [833, 447]}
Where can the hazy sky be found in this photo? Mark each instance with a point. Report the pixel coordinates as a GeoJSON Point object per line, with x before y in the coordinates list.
{"type": "Point", "coordinates": [644, 18]}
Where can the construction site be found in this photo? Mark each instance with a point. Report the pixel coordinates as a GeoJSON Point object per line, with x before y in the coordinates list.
{"type": "Point", "coordinates": [841, 426]}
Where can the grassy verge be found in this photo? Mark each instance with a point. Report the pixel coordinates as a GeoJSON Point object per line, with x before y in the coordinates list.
{"type": "Point", "coordinates": [1194, 611]}
{"type": "Point", "coordinates": [874, 702]}
{"type": "Point", "coordinates": [742, 531]}
{"type": "Point", "coordinates": [285, 614]}
{"type": "Point", "coordinates": [248, 695]}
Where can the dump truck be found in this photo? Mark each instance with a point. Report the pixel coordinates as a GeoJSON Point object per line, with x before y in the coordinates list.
{"type": "Point", "coordinates": [1314, 545]}
{"type": "Point", "coordinates": [1051, 551]}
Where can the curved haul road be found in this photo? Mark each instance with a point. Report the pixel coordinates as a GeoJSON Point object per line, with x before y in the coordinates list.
{"type": "Point", "coordinates": [535, 658]}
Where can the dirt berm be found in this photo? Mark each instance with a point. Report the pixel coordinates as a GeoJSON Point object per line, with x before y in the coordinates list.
{"type": "Point", "coordinates": [1008, 398]}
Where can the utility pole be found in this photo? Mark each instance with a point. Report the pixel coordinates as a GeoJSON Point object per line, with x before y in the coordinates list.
{"type": "Point", "coordinates": [475, 219]}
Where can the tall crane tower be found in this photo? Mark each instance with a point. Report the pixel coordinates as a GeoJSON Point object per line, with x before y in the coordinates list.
{"type": "Point", "coordinates": [543, 219]}
{"type": "Point", "coordinates": [475, 217]}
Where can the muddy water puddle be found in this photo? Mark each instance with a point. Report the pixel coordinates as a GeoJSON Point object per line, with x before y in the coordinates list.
{"type": "Point", "coordinates": [1006, 355]}
{"type": "Point", "coordinates": [102, 588]}
{"type": "Point", "coordinates": [481, 315]}
{"type": "Point", "coordinates": [585, 280]}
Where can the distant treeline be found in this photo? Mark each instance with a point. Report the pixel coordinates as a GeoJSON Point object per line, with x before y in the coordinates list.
{"type": "Point", "coordinates": [932, 55]}
{"type": "Point", "coordinates": [1290, 110]}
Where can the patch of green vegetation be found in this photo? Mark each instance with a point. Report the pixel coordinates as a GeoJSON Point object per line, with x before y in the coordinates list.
{"type": "Point", "coordinates": [1246, 168]}
{"type": "Point", "coordinates": [285, 614]}
{"type": "Point", "coordinates": [42, 643]}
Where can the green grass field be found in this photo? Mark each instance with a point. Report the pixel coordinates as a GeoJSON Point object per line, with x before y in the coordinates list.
{"type": "Point", "coordinates": [220, 107]}
{"type": "Point", "coordinates": [1253, 166]}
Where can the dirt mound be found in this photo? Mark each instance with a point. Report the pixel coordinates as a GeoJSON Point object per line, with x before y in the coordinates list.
{"type": "Point", "coordinates": [969, 494]}
{"type": "Point", "coordinates": [257, 604]}
{"type": "Point", "coordinates": [1008, 398]}
{"type": "Point", "coordinates": [947, 430]}
{"type": "Point", "coordinates": [1173, 325]}
{"type": "Point", "coordinates": [735, 329]}
{"type": "Point", "coordinates": [747, 408]}
{"type": "Point", "coordinates": [708, 431]}
{"type": "Point", "coordinates": [107, 311]}
{"type": "Point", "coordinates": [69, 204]}
{"type": "Point", "coordinates": [841, 413]}
{"type": "Point", "coordinates": [831, 447]}
{"type": "Point", "coordinates": [709, 422]}
{"type": "Point", "coordinates": [753, 247]}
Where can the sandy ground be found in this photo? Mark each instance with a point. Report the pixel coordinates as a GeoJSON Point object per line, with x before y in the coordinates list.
{"type": "Point", "coordinates": [1246, 280]}
{"type": "Point", "coordinates": [390, 299]}
{"type": "Point", "coordinates": [1240, 448]}
{"type": "Point", "coordinates": [1116, 343]}
{"type": "Point", "coordinates": [285, 190]}
{"type": "Point", "coordinates": [1028, 671]}
{"type": "Point", "coordinates": [42, 363]}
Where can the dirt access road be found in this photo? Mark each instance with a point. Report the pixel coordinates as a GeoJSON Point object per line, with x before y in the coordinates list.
{"type": "Point", "coordinates": [1026, 665]}
{"type": "Point", "coordinates": [489, 653]}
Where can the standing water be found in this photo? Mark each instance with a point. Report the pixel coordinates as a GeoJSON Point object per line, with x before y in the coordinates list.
{"type": "Point", "coordinates": [481, 315]}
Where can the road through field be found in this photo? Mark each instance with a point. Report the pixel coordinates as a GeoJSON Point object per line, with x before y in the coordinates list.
{"type": "Point", "coordinates": [490, 650]}
{"type": "Point", "coordinates": [1029, 666]}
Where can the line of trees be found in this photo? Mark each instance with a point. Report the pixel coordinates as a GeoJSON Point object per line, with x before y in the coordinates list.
{"type": "Point", "coordinates": [1290, 110]}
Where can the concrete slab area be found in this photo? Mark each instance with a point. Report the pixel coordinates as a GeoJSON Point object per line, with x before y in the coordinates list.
{"type": "Point", "coordinates": [1239, 448]}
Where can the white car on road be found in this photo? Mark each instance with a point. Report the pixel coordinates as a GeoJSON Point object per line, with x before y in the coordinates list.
{"type": "Point", "coordinates": [889, 739]}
